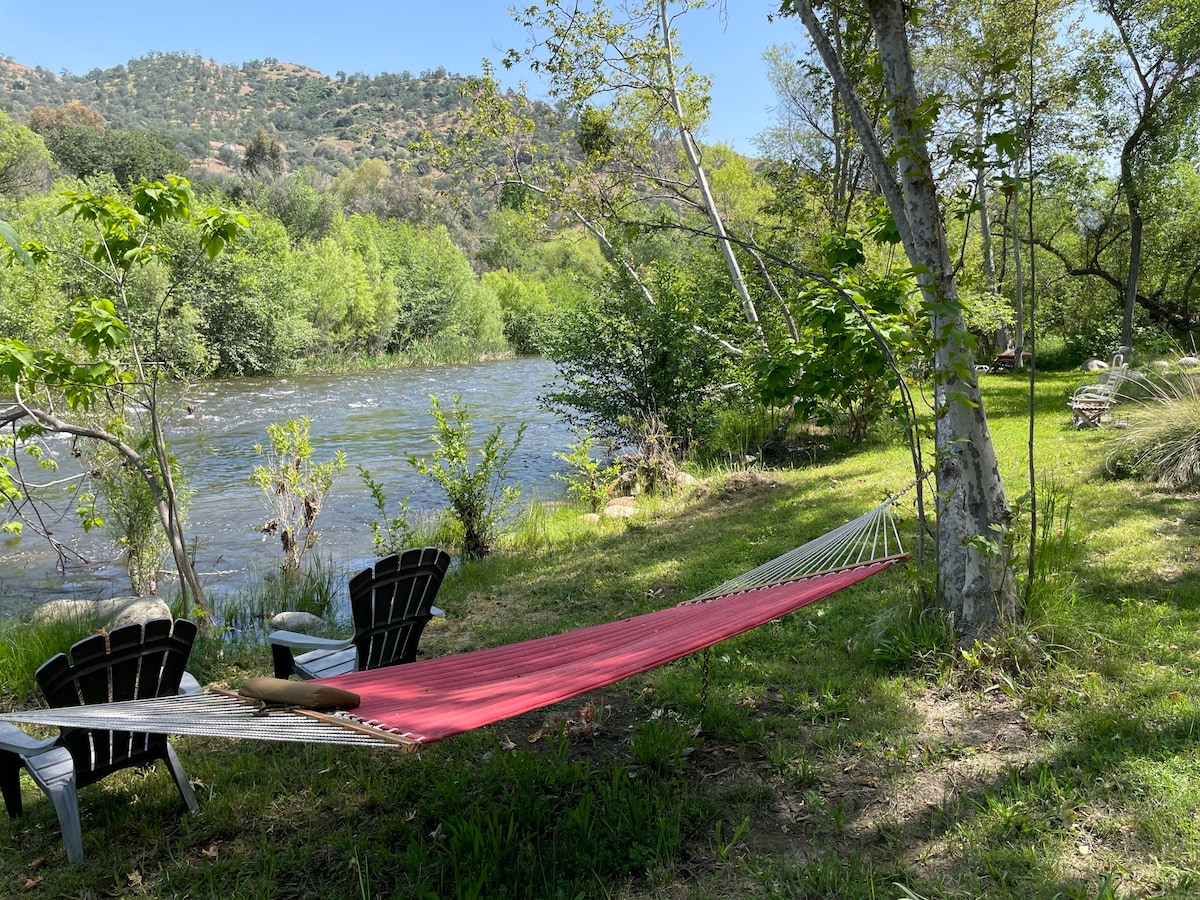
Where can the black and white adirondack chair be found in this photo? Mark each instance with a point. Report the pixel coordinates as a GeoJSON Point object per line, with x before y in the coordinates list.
{"type": "Point", "coordinates": [390, 604]}
{"type": "Point", "coordinates": [132, 662]}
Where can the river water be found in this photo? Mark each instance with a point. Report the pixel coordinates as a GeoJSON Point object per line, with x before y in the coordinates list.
{"type": "Point", "coordinates": [376, 418]}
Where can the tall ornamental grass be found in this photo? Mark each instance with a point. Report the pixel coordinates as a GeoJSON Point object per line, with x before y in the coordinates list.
{"type": "Point", "coordinates": [1161, 442]}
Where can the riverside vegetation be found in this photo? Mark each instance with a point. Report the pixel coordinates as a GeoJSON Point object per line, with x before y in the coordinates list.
{"type": "Point", "coordinates": [848, 750]}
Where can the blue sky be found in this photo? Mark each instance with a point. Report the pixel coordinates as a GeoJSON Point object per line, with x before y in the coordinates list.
{"type": "Point", "coordinates": [377, 37]}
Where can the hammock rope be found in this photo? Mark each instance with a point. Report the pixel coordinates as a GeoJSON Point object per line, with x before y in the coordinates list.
{"type": "Point", "coordinates": [873, 535]}
{"type": "Point", "coordinates": [434, 698]}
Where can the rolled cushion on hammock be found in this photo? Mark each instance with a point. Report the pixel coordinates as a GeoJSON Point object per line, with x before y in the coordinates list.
{"type": "Point", "coordinates": [303, 694]}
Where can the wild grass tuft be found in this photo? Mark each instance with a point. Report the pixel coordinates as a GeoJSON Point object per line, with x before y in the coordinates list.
{"type": "Point", "coordinates": [316, 590]}
{"type": "Point", "coordinates": [25, 645]}
{"type": "Point", "coordinates": [912, 637]}
{"type": "Point", "coordinates": [1161, 442]}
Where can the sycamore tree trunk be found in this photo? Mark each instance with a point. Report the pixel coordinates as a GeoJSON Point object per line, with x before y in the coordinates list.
{"type": "Point", "coordinates": [1005, 333]}
{"type": "Point", "coordinates": [975, 585]}
{"type": "Point", "coordinates": [1133, 204]}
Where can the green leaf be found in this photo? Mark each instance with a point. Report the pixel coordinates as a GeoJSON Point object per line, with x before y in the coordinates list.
{"type": "Point", "coordinates": [8, 234]}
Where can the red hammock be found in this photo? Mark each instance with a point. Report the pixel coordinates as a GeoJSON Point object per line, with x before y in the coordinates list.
{"type": "Point", "coordinates": [434, 698]}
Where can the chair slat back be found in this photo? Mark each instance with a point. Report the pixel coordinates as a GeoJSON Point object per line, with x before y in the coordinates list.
{"type": "Point", "coordinates": [391, 604]}
{"type": "Point", "coordinates": [132, 662]}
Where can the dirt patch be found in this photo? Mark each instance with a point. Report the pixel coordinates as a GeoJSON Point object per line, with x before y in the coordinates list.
{"type": "Point", "coordinates": [737, 485]}
{"type": "Point", "coordinates": [963, 745]}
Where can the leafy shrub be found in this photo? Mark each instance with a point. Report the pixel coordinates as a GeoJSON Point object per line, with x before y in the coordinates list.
{"type": "Point", "coordinates": [295, 487]}
{"type": "Point", "coordinates": [654, 464]}
{"type": "Point", "coordinates": [524, 303]}
{"type": "Point", "coordinates": [131, 516]}
{"type": "Point", "coordinates": [389, 534]}
{"type": "Point", "coordinates": [479, 497]}
{"type": "Point", "coordinates": [589, 478]}
{"type": "Point", "coordinates": [622, 361]}
{"type": "Point", "coordinates": [835, 374]}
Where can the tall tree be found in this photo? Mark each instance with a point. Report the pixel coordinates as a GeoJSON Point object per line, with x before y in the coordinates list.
{"type": "Point", "coordinates": [1146, 78]}
{"type": "Point", "coordinates": [978, 56]}
{"type": "Point", "coordinates": [264, 154]}
{"type": "Point", "coordinates": [813, 136]}
{"type": "Point", "coordinates": [24, 160]}
{"type": "Point", "coordinates": [975, 583]}
{"type": "Point", "coordinates": [636, 108]}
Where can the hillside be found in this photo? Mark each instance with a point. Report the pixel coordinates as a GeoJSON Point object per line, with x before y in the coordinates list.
{"type": "Point", "coordinates": [328, 122]}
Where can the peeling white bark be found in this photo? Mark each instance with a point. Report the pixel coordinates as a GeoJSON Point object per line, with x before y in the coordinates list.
{"type": "Point", "coordinates": [974, 583]}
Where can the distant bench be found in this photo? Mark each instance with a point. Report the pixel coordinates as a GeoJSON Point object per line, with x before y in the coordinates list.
{"type": "Point", "coordinates": [1006, 359]}
{"type": "Point", "coordinates": [1091, 402]}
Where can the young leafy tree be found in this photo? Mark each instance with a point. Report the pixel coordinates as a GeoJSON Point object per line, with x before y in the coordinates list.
{"type": "Point", "coordinates": [106, 385]}
{"type": "Point", "coordinates": [812, 146]}
{"type": "Point", "coordinates": [630, 158]}
{"type": "Point", "coordinates": [295, 487]}
{"type": "Point", "coordinates": [24, 160]}
{"type": "Point", "coordinates": [479, 493]}
{"type": "Point", "coordinates": [980, 56]}
{"type": "Point", "coordinates": [264, 154]}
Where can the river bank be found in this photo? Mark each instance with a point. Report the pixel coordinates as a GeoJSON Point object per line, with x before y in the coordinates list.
{"type": "Point", "coordinates": [376, 417]}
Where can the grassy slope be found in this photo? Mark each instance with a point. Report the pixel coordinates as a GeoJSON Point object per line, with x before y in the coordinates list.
{"type": "Point", "coordinates": [1047, 766]}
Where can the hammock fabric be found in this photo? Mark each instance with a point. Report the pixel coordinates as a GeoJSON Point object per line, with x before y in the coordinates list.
{"type": "Point", "coordinates": [434, 698]}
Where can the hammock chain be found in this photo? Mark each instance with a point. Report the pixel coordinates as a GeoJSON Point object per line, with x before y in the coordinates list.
{"type": "Point", "coordinates": [704, 685]}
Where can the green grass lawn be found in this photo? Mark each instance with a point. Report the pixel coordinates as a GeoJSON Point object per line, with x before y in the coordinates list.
{"type": "Point", "coordinates": [848, 750]}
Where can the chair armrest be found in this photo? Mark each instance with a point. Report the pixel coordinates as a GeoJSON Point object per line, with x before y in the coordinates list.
{"type": "Point", "coordinates": [298, 641]}
{"type": "Point", "coordinates": [14, 740]}
{"type": "Point", "coordinates": [188, 685]}
{"type": "Point", "coordinates": [1103, 390]}
{"type": "Point", "coordinates": [438, 611]}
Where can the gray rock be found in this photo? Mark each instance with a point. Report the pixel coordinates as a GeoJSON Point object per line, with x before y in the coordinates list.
{"type": "Point", "coordinates": [625, 500]}
{"type": "Point", "coordinates": [1188, 361]}
{"type": "Point", "coordinates": [110, 613]}
{"type": "Point", "coordinates": [140, 609]}
{"type": "Point", "coordinates": [1094, 365]}
{"type": "Point", "coordinates": [620, 512]}
{"type": "Point", "coordinates": [290, 620]}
